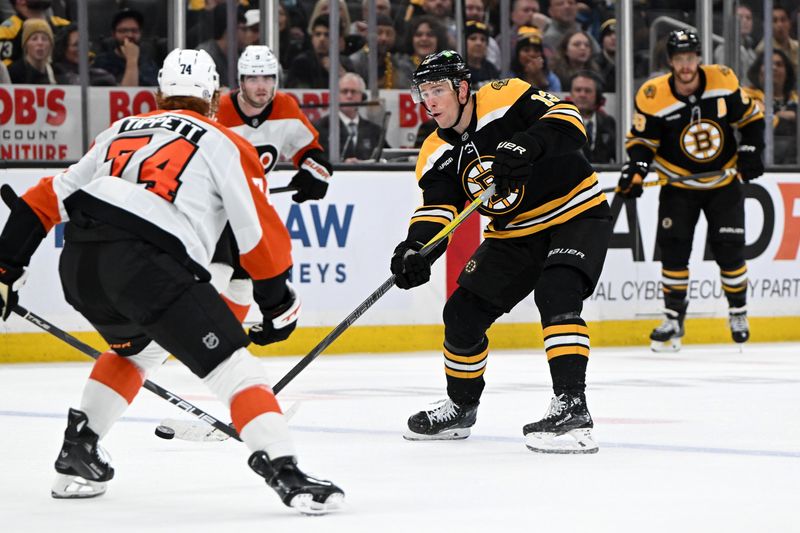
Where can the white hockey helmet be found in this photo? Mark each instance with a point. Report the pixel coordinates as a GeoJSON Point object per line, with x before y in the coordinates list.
{"type": "Point", "coordinates": [258, 60]}
{"type": "Point", "coordinates": [188, 73]}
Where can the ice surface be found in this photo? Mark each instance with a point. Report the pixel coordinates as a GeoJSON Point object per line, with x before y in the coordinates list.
{"type": "Point", "coordinates": [704, 440]}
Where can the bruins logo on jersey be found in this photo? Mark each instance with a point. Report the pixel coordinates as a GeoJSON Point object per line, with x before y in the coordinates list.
{"type": "Point", "coordinates": [499, 84]}
{"type": "Point", "coordinates": [702, 140]}
{"type": "Point", "coordinates": [650, 91]}
{"type": "Point", "coordinates": [477, 177]}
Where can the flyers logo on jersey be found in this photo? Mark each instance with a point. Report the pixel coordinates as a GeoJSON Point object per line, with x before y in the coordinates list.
{"type": "Point", "coordinates": [477, 177]}
{"type": "Point", "coordinates": [702, 141]}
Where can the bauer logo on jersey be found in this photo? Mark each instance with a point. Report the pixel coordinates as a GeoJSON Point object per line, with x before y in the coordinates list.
{"type": "Point", "coordinates": [702, 140]}
{"type": "Point", "coordinates": [477, 177]}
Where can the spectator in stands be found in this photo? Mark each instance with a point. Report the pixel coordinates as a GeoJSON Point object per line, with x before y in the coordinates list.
{"type": "Point", "coordinates": [359, 138]}
{"type": "Point", "coordinates": [574, 54]}
{"type": "Point", "coordinates": [781, 35]}
{"type": "Point", "coordinates": [217, 46]}
{"type": "Point", "coordinates": [481, 70]}
{"type": "Point", "coordinates": [606, 59]}
{"type": "Point", "coordinates": [747, 53]}
{"type": "Point", "coordinates": [475, 10]}
{"type": "Point", "coordinates": [252, 24]}
{"type": "Point", "coordinates": [291, 34]}
{"type": "Point", "coordinates": [784, 102]}
{"type": "Point", "coordinates": [322, 7]}
{"type": "Point", "coordinates": [11, 28]}
{"type": "Point", "coordinates": [586, 92]}
{"type": "Point", "coordinates": [393, 72]}
{"type": "Point", "coordinates": [66, 58]}
{"type": "Point", "coordinates": [310, 69]}
{"type": "Point", "coordinates": [425, 36]}
{"type": "Point", "coordinates": [5, 79]}
{"type": "Point", "coordinates": [529, 63]}
{"type": "Point", "coordinates": [34, 68]}
{"type": "Point", "coordinates": [563, 21]}
{"type": "Point", "coordinates": [440, 10]}
{"type": "Point", "coordinates": [525, 14]}
{"type": "Point", "coordinates": [126, 62]}
{"type": "Point", "coordinates": [382, 9]}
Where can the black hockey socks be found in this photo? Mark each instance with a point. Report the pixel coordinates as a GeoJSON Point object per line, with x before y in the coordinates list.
{"type": "Point", "coordinates": [464, 369]}
{"type": "Point", "coordinates": [675, 285]}
{"type": "Point", "coordinates": [734, 283]}
{"type": "Point", "coordinates": [567, 345]}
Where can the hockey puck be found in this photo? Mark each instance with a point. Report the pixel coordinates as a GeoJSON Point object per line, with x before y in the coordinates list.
{"type": "Point", "coordinates": [165, 432]}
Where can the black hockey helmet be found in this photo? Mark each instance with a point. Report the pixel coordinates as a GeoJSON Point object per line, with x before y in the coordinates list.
{"type": "Point", "coordinates": [680, 41]}
{"type": "Point", "coordinates": [444, 65]}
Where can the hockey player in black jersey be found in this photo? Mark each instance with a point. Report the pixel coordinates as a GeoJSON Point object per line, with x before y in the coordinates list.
{"type": "Point", "coordinates": [549, 233]}
{"type": "Point", "coordinates": [683, 125]}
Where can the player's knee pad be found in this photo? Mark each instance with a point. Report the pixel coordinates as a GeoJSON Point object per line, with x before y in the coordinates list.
{"type": "Point", "coordinates": [466, 319]}
{"type": "Point", "coordinates": [728, 255]}
{"type": "Point", "coordinates": [559, 293]}
{"type": "Point", "coordinates": [198, 329]}
{"type": "Point", "coordinates": [220, 275]}
{"type": "Point", "coordinates": [238, 372]}
{"type": "Point", "coordinates": [675, 252]}
{"type": "Point", "coordinates": [150, 358]}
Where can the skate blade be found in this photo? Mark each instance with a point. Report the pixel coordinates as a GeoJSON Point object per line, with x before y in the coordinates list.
{"type": "Point", "coordinates": [670, 346]}
{"type": "Point", "coordinates": [70, 487]}
{"type": "Point", "coordinates": [575, 441]}
{"type": "Point", "coordinates": [306, 504]}
{"type": "Point", "coordinates": [449, 434]}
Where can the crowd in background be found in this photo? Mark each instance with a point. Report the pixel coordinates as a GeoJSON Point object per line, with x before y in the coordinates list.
{"type": "Point", "coordinates": [562, 46]}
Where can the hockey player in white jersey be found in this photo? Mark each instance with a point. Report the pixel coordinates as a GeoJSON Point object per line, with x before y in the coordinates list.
{"type": "Point", "coordinates": [274, 124]}
{"type": "Point", "coordinates": [144, 209]}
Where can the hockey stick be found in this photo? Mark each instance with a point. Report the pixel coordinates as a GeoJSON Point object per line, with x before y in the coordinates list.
{"type": "Point", "coordinates": [149, 385]}
{"type": "Point", "coordinates": [660, 182]}
{"type": "Point", "coordinates": [383, 289]}
{"type": "Point", "coordinates": [192, 430]}
{"type": "Point", "coordinates": [276, 190]}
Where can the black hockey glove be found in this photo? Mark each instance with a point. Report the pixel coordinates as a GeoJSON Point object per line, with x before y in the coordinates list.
{"type": "Point", "coordinates": [311, 180]}
{"type": "Point", "coordinates": [279, 322]}
{"type": "Point", "coordinates": [749, 163]}
{"type": "Point", "coordinates": [512, 162]}
{"type": "Point", "coordinates": [11, 279]}
{"type": "Point", "coordinates": [630, 181]}
{"type": "Point", "coordinates": [409, 267]}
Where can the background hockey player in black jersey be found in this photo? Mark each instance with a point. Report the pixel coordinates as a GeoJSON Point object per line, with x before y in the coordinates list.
{"type": "Point", "coordinates": [144, 209]}
{"type": "Point", "coordinates": [684, 124]}
{"type": "Point", "coordinates": [549, 234]}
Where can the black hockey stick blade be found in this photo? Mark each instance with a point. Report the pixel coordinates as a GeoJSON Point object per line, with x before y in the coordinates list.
{"type": "Point", "coordinates": [149, 385]}
{"type": "Point", "coordinates": [379, 292]}
{"type": "Point", "coordinates": [277, 190]}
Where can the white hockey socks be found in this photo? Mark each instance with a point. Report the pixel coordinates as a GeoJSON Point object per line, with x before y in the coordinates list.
{"type": "Point", "coordinates": [114, 383]}
{"type": "Point", "coordinates": [240, 382]}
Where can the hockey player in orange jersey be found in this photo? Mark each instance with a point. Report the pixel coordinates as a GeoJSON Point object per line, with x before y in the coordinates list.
{"type": "Point", "coordinates": [145, 208]}
{"type": "Point", "coordinates": [274, 124]}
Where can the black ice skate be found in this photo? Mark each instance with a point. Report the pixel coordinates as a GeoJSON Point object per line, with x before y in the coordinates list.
{"type": "Point", "coordinates": [740, 328]}
{"type": "Point", "coordinates": [82, 465]}
{"type": "Point", "coordinates": [667, 337]}
{"type": "Point", "coordinates": [446, 421]}
{"type": "Point", "coordinates": [297, 490]}
{"type": "Point", "coordinates": [566, 416]}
